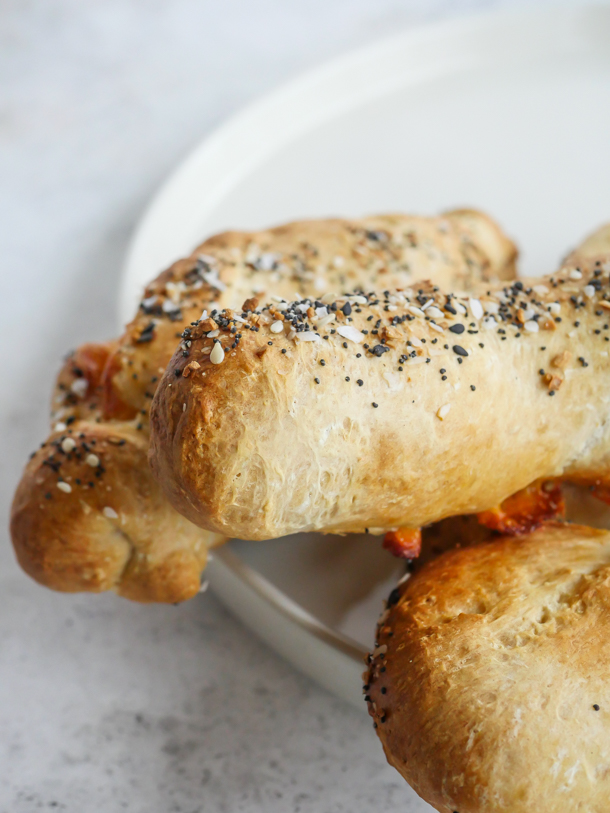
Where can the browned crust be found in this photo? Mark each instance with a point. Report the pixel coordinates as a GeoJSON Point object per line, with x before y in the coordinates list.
{"type": "Point", "coordinates": [249, 447]}
{"type": "Point", "coordinates": [488, 684]}
{"type": "Point", "coordinates": [107, 389]}
{"type": "Point", "coordinates": [113, 530]}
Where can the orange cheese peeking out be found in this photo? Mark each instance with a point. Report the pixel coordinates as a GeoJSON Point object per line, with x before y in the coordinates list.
{"type": "Point", "coordinates": [405, 543]}
{"type": "Point", "coordinates": [526, 510]}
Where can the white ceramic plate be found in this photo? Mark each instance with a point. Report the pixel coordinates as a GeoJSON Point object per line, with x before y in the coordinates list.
{"type": "Point", "coordinates": [510, 113]}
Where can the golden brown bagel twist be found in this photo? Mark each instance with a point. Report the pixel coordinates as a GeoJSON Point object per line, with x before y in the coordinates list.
{"type": "Point", "coordinates": [488, 683]}
{"type": "Point", "coordinates": [395, 412]}
{"type": "Point", "coordinates": [88, 515]}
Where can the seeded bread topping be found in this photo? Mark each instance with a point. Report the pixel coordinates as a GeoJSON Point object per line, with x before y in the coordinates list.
{"type": "Point", "coordinates": [419, 435]}
{"type": "Point", "coordinates": [88, 515]}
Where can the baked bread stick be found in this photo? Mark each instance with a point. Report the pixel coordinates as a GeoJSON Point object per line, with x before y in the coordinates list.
{"type": "Point", "coordinates": [88, 515]}
{"type": "Point", "coordinates": [488, 683]}
{"type": "Point", "coordinates": [386, 409]}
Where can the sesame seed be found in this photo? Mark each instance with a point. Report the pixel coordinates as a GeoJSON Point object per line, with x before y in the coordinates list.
{"type": "Point", "coordinates": [110, 512]}
{"type": "Point", "coordinates": [217, 355]}
{"type": "Point", "coordinates": [459, 350]}
{"type": "Point", "coordinates": [375, 405]}
{"type": "Point", "coordinates": [65, 487]}
{"type": "Point", "coordinates": [476, 309]}
{"type": "Point", "coordinates": [92, 460]}
{"type": "Point", "coordinates": [68, 445]}
{"type": "Point", "coordinates": [443, 411]}
{"type": "Point", "coordinates": [350, 333]}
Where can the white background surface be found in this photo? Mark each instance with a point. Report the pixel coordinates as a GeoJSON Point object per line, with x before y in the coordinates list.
{"type": "Point", "coordinates": [104, 705]}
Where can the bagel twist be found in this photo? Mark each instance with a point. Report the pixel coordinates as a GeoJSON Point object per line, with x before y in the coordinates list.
{"type": "Point", "coordinates": [488, 682]}
{"type": "Point", "coordinates": [387, 409]}
{"type": "Point", "coordinates": [87, 514]}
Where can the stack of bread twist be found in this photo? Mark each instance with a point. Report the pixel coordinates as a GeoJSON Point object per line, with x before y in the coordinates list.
{"type": "Point", "coordinates": [385, 374]}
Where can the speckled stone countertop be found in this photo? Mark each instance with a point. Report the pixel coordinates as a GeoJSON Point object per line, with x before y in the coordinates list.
{"type": "Point", "coordinates": [105, 705]}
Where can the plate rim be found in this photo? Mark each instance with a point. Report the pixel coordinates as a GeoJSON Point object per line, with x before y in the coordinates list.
{"type": "Point", "coordinates": [290, 609]}
{"type": "Point", "coordinates": [212, 153]}
{"type": "Point", "coordinates": [220, 153]}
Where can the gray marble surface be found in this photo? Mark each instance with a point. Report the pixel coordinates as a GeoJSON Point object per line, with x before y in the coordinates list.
{"type": "Point", "coordinates": [105, 705]}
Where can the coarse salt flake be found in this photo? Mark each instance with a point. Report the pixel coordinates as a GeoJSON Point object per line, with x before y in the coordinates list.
{"type": "Point", "coordinates": [540, 290]}
{"type": "Point", "coordinates": [554, 307]}
{"type": "Point", "coordinates": [326, 320]}
{"type": "Point", "coordinates": [60, 426]}
{"type": "Point", "coordinates": [531, 326]}
{"type": "Point", "coordinates": [476, 309]}
{"type": "Point", "coordinates": [575, 274]}
{"type": "Point", "coordinates": [589, 291]}
{"type": "Point", "coordinates": [109, 512]}
{"type": "Point", "coordinates": [170, 307]}
{"type": "Point", "coordinates": [277, 327]}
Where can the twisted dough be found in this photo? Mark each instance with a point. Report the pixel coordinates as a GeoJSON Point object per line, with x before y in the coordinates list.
{"type": "Point", "coordinates": [488, 683]}
{"type": "Point", "coordinates": [395, 413]}
{"type": "Point", "coordinates": [88, 515]}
